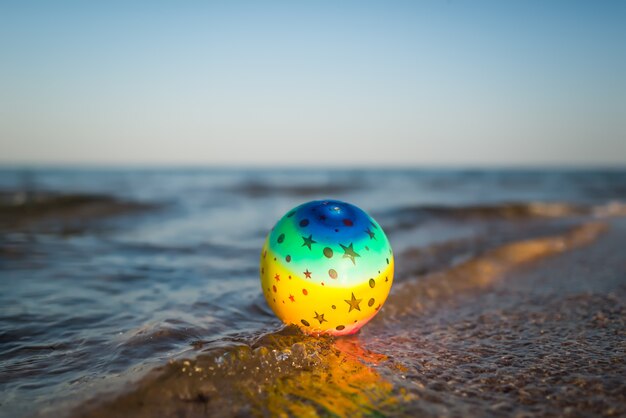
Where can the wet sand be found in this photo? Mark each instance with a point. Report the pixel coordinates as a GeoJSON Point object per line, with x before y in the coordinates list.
{"type": "Point", "coordinates": [531, 328]}
{"type": "Point", "coordinates": [548, 339]}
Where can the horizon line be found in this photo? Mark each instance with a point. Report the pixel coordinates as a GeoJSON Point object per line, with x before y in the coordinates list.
{"type": "Point", "coordinates": [111, 166]}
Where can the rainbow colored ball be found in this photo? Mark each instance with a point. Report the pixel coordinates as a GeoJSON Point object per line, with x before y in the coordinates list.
{"type": "Point", "coordinates": [327, 267]}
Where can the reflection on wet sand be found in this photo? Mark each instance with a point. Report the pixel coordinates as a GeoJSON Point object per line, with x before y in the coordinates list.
{"type": "Point", "coordinates": [284, 372]}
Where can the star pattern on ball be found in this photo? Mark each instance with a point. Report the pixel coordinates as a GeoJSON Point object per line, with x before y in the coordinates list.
{"type": "Point", "coordinates": [320, 317]}
{"type": "Point", "coordinates": [370, 233]}
{"type": "Point", "coordinates": [349, 252]}
{"type": "Point", "coordinates": [308, 241]}
{"type": "Point", "coordinates": [307, 274]}
{"type": "Point", "coordinates": [354, 303]}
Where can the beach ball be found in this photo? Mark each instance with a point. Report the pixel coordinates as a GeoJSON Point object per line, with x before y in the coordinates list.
{"type": "Point", "coordinates": [327, 267]}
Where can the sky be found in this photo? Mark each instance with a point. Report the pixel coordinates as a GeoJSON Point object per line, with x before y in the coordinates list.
{"type": "Point", "coordinates": [313, 83]}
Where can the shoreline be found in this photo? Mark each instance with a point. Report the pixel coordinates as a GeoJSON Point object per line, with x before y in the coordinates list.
{"type": "Point", "coordinates": [360, 375]}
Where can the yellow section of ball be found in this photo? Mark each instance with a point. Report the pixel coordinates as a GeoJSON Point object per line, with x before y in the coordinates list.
{"type": "Point", "coordinates": [314, 305]}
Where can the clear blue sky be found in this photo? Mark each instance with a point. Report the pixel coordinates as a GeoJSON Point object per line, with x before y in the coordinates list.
{"type": "Point", "coordinates": [298, 83]}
